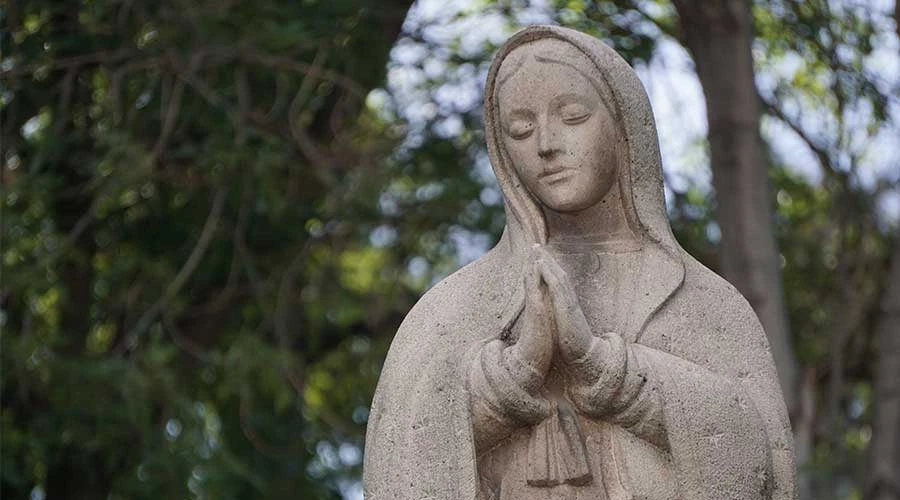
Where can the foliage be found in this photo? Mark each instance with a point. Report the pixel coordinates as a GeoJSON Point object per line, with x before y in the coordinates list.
{"type": "Point", "coordinates": [828, 90]}
{"type": "Point", "coordinates": [182, 293]}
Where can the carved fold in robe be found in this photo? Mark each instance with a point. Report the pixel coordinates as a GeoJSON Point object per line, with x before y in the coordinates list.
{"type": "Point", "coordinates": [695, 381]}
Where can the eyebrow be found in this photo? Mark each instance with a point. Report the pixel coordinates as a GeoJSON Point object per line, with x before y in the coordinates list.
{"type": "Point", "coordinates": [573, 97]}
{"type": "Point", "coordinates": [561, 99]}
{"type": "Point", "coordinates": [520, 113]}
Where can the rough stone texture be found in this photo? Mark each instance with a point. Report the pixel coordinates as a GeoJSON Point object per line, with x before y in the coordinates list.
{"type": "Point", "coordinates": [587, 355]}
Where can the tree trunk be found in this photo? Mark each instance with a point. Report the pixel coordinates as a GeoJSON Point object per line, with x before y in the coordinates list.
{"type": "Point", "coordinates": [897, 17]}
{"type": "Point", "coordinates": [882, 476]}
{"type": "Point", "coordinates": [719, 35]}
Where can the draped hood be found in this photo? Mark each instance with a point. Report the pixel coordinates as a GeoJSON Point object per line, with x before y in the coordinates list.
{"type": "Point", "coordinates": [640, 178]}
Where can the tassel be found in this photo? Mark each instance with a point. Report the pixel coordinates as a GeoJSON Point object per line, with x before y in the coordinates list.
{"type": "Point", "coordinates": [557, 453]}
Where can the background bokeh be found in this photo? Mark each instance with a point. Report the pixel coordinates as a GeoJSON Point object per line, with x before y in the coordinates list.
{"type": "Point", "coordinates": [215, 214]}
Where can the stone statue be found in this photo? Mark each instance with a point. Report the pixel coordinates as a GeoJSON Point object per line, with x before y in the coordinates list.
{"type": "Point", "coordinates": [587, 355]}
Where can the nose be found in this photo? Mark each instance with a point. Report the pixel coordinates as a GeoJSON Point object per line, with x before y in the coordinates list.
{"type": "Point", "coordinates": [547, 140]}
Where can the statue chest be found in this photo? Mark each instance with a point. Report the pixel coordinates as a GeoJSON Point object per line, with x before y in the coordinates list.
{"type": "Point", "coordinates": [606, 284]}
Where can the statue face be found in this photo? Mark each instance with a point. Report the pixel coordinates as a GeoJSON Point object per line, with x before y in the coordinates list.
{"type": "Point", "coordinates": [556, 130]}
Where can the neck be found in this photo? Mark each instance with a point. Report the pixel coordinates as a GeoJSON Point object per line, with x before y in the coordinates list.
{"type": "Point", "coordinates": [603, 222]}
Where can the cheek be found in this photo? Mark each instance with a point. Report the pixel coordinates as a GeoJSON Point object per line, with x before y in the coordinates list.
{"type": "Point", "coordinates": [597, 155]}
{"type": "Point", "coordinates": [523, 160]}
{"type": "Point", "coordinates": [597, 166]}
{"type": "Point", "coordinates": [603, 169]}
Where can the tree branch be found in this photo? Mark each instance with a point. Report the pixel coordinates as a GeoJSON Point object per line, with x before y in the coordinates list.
{"type": "Point", "coordinates": [821, 154]}
{"type": "Point", "coordinates": [190, 265]}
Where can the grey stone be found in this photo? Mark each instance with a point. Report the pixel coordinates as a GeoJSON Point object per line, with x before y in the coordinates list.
{"type": "Point", "coordinates": [587, 355]}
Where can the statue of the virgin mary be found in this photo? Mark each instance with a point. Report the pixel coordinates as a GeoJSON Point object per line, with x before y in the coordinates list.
{"type": "Point", "coordinates": [587, 355]}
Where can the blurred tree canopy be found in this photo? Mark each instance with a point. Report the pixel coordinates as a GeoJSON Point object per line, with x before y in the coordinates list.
{"type": "Point", "coordinates": [187, 277]}
{"type": "Point", "coordinates": [216, 213]}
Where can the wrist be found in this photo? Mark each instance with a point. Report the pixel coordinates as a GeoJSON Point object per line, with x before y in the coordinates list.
{"type": "Point", "coordinates": [604, 361]}
{"type": "Point", "coordinates": [496, 380]}
{"type": "Point", "coordinates": [528, 376]}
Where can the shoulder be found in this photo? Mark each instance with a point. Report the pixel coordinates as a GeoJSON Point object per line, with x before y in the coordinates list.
{"type": "Point", "coordinates": [450, 312]}
{"type": "Point", "coordinates": [479, 285]}
{"type": "Point", "coordinates": [710, 323]}
{"type": "Point", "coordinates": [713, 299]}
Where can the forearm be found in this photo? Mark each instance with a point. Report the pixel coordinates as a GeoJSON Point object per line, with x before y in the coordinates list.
{"type": "Point", "coordinates": [622, 383]}
{"type": "Point", "coordinates": [612, 382]}
{"type": "Point", "coordinates": [503, 393]}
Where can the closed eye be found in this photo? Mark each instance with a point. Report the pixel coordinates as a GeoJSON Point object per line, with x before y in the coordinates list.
{"type": "Point", "coordinates": [574, 113]}
{"type": "Point", "coordinates": [520, 128]}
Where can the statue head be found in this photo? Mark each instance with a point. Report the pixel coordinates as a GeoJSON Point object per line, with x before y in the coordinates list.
{"type": "Point", "coordinates": [558, 126]}
{"type": "Point", "coordinates": [542, 83]}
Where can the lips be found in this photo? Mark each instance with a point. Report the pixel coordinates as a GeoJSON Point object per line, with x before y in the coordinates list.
{"type": "Point", "coordinates": [555, 174]}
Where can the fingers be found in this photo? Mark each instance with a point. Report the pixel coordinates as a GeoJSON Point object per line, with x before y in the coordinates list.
{"type": "Point", "coordinates": [533, 285]}
{"type": "Point", "coordinates": [535, 343]}
{"type": "Point", "coordinates": [562, 294]}
{"type": "Point", "coordinates": [550, 269]}
{"type": "Point", "coordinates": [554, 282]}
{"type": "Point", "coordinates": [572, 326]}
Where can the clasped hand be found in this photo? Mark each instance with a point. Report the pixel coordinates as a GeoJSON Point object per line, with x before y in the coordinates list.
{"type": "Point", "coordinates": [552, 323]}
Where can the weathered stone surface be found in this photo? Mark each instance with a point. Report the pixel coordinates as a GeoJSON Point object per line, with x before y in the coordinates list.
{"type": "Point", "coordinates": [587, 355]}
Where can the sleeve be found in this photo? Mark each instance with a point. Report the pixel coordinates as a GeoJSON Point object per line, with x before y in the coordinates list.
{"type": "Point", "coordinates": [613, 382]}
{"type": "Point", "coordinates": [503, 395]}
{"type": "Point", "coordinates": [709, 421]}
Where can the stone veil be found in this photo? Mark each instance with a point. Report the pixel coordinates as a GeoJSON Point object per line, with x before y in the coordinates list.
{"type": "Point", "coordinates": [695, 349]}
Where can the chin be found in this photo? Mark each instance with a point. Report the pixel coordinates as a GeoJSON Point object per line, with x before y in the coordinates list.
{"type": "Point", "coordinates": [567, 204]}
{"type": "Point", "coordinates": [567, 198]}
